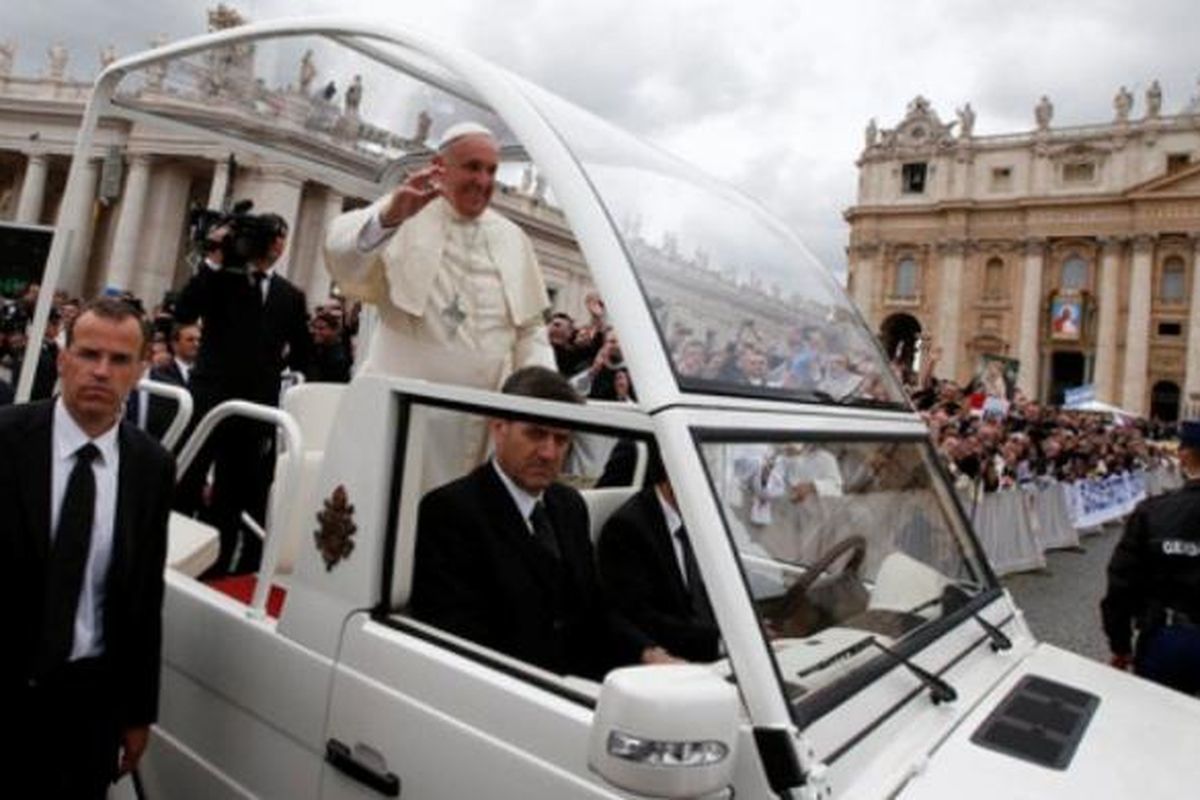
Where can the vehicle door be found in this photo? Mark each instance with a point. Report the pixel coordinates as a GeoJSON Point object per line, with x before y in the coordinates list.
{"type": "Point", "coordinates": [418, 710]}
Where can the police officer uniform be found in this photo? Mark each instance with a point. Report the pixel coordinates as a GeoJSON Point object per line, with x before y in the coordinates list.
{"type": "Point", "coordinates": [1154, 585]}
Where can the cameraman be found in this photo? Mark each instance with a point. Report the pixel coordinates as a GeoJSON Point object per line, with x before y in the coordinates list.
{"type": "Point", "coordinates": [255, 323]}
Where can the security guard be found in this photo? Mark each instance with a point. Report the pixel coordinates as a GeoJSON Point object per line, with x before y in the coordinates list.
{"type": "Point", "coordinates": [1154, 581]}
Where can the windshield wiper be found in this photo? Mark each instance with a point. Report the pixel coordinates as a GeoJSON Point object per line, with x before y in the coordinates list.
{"type": "Point", "coordinates": [939, 690]}
{"type": "Point", "coordinates": [954, 597]}
{"type": "Point", "coordinates": [840, 655]}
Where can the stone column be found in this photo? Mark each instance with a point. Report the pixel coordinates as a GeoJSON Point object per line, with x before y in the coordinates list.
{"type": "Point", "coordinates": [1191, 384]}
{"type": "Point", "coordinates": [84, 207]}
{"type": "Point", "coordinates": [121, 260]}
{"type": "Point", "coordinates": [1104, 376]}
{"type": "Point", "coordinates": [1137, 331]}
{"type": "Point", "coordinates": [220, 184]}
{"type": "Point", "coordinates": [33, 189]}
{"type": "Point", "coordinates": [280, 193]}
{"type": "Point", "coordinates": [1028, 345]}
{"type": "Point", "coordinates": [948, 309]}
{"type": "Point", "coordinates": [864, 280]}
{"type": "Point", "coordinates": [319, 280]}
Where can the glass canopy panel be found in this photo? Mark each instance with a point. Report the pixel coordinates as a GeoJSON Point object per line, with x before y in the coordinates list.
{"type": "Point", "coordinates": [334, 102]}
{"type": "Point", "coordinates": [844, 544]}
{"type": "Point", "coordinates": [741, 307]}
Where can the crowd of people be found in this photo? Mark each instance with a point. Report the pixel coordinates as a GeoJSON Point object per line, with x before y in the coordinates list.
{"type": "Point", "coordinates": [333, 326]}
{"type": "Point", "coordinates": [1031, 440]}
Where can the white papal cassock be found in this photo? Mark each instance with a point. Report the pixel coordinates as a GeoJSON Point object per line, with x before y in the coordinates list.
{"type": "Point", "coordinates": [459, 300]}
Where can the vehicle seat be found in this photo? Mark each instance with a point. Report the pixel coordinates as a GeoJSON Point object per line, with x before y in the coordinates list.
{"type": "Point", "coordinates": [192, 546]}
{"type": "Point", "coordinates": [903, 583]}
{"type": "Point", "coordinates": [292, 509]}
{"type": "Point", "coordinates": [601, 503]}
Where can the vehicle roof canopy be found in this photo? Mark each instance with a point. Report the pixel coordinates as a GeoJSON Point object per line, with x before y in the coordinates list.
{"type": "Point", "coordinates": [722, 301]}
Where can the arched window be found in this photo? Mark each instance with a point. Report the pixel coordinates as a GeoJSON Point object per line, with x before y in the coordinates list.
{"type": "Point", "coordinates": [1171, 281]}
{"type": "Point", "coordinates": [993, 279]}
{"type": "Point", "coordinates": [906, 278]}
{"type": "Point", "coordinates": [1074, 274]}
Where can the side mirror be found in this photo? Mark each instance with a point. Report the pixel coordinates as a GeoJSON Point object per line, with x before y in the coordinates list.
{"type": "Point", "coordinates": [666, 731]}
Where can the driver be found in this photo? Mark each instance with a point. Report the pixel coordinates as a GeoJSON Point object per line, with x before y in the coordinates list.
{"type": "Point", "coordinates": [503, 555]}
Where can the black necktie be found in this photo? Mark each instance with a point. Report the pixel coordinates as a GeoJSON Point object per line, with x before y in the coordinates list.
{"type": "Point", "coordinates": [257, 279]}
{"type": "Point", "coordinates": [68, 560]}
{"type": "Point", "coordinates": [695, 584]}
{"type": "Point", "coordinates": [543, 531]}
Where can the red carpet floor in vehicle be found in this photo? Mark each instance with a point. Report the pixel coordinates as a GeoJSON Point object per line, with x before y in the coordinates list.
{"type": "Point", "coordinates": [241, 588]}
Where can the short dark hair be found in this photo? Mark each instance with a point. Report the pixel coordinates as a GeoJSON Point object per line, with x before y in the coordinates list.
{"type": "Point", "coordinates": [656, 472]}
{"type": "Point", "coordinates": [179, 327]}
{"type": "Point", "coordinates": [540, 382]}
{"type": "Point", "coordinates": [114, 309]}
{"type": "Point", "coordinates": [276, 221]}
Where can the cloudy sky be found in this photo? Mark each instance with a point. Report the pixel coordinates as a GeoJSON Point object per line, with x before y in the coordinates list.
{"type": "Point", "coordinates": [771, 95]}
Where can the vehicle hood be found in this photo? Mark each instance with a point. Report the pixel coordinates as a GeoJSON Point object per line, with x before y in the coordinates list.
{"type": "Point", "coordinates": [1140, 742]}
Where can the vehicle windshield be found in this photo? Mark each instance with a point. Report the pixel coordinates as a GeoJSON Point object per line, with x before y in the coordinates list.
{"type": "Point", "coordinates": [740, 305]}
{"type": "Point", "coordinates": [841, 541]}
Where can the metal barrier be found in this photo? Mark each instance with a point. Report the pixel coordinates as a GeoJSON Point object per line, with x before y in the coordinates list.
{"type": "Point", "coordinates": [183, 407]}
{"type": "Point", "coordinates": [1016, 525]}
{"type": "Point", "coordinates": [293, 446]}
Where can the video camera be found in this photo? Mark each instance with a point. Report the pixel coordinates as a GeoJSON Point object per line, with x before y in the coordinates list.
{"type": "Point", "coordinates": [247, 237]}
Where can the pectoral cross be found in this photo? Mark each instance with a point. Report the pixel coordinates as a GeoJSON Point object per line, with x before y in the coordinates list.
{"type": "Point", "coordinates": [453, 315]}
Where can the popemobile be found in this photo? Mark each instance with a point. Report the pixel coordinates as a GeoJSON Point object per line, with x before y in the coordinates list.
{"type": "Point", "coordinates": [868, 650]}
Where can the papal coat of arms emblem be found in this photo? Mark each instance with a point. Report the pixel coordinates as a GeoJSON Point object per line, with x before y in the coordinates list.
{"type": "Point", "coordinates": [334, 537]}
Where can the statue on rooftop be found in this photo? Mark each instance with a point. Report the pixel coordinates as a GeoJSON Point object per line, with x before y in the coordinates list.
{"type": "Point", "coordinates": [156, 74]}
{"type": "Point", "coordinates": [57, 57]}
{"type": "Point", "coordinates": [108, 54]}
{"type": "Point", "coordinates": [224, 17]}
{"type": "Point", "coordinates": [308, 71]}
{"type": "Point", "coordinates": [1043, 112]}
{"type": "Point", "coordinates": [353, 96]}
{"type": "Point", "coordinates": [8, 52]}
{"type": "Point", "coordinates": [1154, 99]}
{"type": "Point", "coordinates": [1123, 104]}
{"type": "Point", "coordinates": [424, 123]}
{"type": "Point", "coordinates": [966, 121]}
{"type": "Point", "coordinates": [872, 133]}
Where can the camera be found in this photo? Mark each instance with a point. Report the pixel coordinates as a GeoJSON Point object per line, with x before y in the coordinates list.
{"type": "Point", "coordinates": [247, 237]}
{"type": "Point", "coordinates": [13, 318]}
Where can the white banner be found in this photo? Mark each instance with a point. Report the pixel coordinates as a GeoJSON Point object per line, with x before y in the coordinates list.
{"type": "Point", "coordinates": [1096, 501]}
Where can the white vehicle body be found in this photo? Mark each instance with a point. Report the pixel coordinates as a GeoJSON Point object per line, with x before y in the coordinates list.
{"type": "Point", "coordinates": [345, 696]}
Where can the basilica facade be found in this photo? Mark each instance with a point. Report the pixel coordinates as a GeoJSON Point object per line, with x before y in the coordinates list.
{"type": "Point", "coordinates": [1071, 249]}
{"type": "Point", "coordinates": [142, 181]}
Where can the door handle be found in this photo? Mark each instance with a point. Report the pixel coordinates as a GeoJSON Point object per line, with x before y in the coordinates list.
{"type": "Point", "coordinates": [342, 758]}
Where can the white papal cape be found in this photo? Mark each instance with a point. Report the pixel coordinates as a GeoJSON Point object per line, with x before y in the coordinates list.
{"type": "Point", "coordinates": [459, 301]}
{"type": "Point", "coordinates": [433, 284]}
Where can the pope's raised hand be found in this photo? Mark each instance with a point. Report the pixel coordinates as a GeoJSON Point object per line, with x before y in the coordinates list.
{"type": "Point", "coordinates": [416, 192]}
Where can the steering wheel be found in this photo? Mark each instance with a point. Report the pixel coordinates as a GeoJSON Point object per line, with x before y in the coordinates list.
{"type": "Point", "coordinates": [809, 606]}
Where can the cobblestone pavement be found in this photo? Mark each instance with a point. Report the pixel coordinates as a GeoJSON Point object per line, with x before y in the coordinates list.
{"type": "Point", "coordinates": [1062, 602]}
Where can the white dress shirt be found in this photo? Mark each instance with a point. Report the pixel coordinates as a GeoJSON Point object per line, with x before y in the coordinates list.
{"type": "Point", "coordinates": [185, 369]}
{"type": "Point", "coordinates": [524, 500]}
{"type": "Point", "coordinates": [674, 523]}
{"type": "Point", "coordinates": [68, 437]}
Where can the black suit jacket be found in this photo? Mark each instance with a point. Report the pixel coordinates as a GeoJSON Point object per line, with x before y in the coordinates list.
{"type": "Point", "coordinates": [134, 592]}
{"type": "Point", "coordinates": [162, 410]}
{"type": "Point", "coordinates": [641, 576]}
{"type": "Point", "coordinates": [480, 574]}
{"type": "Point", "coordinates": [246, 342]}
